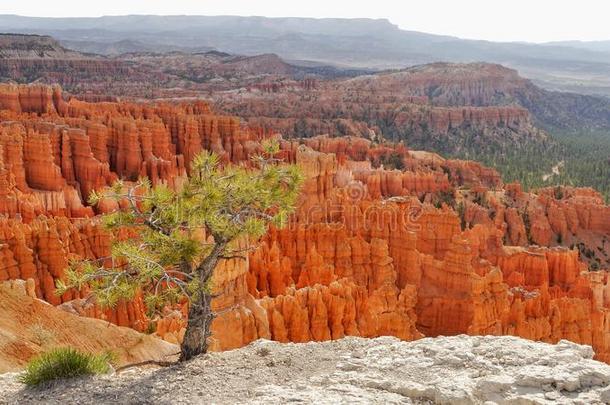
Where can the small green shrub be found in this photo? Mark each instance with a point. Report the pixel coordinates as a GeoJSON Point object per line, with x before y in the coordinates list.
{"type": "Point", "coordinates": [65, 363]}
{"type": "Point", "coordinates": [41, 335]}
{"type": "Point", "coordinates": [558, 193]}
{"type": "Point", "coordinates": [461, 211]}
{"type": "Point", "coordinates": [392, 161]}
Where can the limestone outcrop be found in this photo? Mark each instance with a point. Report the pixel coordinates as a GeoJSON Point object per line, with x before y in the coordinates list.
{"type": "Point", "coordinates": [446, 370]}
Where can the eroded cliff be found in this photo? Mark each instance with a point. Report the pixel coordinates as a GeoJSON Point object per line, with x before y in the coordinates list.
{"type": "Point", "coordinates": [385, 240]}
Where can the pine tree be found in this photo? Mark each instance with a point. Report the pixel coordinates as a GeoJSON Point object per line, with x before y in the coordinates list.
{"type": "Point", "coordinates": [179, 237]}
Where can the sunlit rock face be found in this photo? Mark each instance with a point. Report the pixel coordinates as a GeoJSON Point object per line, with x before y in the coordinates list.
{"type": "Point", "coordinates": [420, 247]}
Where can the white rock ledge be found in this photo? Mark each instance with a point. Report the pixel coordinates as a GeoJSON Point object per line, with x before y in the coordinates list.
{"type": "Point", "coordinates": [444, 370]}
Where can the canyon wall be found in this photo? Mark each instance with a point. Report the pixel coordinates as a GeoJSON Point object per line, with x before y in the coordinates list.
{"type": "Point", "coordinates": [445, 108]}
{"type": "Point", "coordinates": [385, 240]}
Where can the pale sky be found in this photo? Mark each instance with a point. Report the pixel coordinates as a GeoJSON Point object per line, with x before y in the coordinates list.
{"type": "Point", "coordinates": [507, 20]}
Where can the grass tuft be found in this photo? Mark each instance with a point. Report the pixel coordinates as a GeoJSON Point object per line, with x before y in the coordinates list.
{"type": "Point", "coordinates": [65, 363]}
{"type": "Point", "coordinates": [41, 335]}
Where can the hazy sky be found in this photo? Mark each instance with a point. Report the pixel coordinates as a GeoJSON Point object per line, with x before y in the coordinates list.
{"type": "Point", "coordinates": [514, 20]}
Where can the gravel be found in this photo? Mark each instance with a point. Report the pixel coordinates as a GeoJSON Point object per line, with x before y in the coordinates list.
{"type": "Point", "coordinates": [445, 370]}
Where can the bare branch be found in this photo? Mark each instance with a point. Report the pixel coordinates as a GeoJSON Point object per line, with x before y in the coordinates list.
{"type": "Point", "coordinates": [232, 257]}
{"type": "Point", "coordinates": [145, 363]}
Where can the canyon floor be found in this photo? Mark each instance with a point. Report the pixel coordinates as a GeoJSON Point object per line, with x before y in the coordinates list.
{"type": "Point", "coordinates": [457, 370]}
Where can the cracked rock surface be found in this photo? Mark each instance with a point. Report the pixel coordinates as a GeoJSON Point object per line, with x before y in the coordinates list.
{"type": "Point", "coordinates": [446, 370]}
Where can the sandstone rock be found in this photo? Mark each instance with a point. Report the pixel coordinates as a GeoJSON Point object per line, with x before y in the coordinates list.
{"type": "Point", "coordinates": [366, 254]}
{"type": "Point", "coordinates": [31, 326]}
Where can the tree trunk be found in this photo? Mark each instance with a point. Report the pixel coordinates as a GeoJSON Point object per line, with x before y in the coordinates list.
{"type": "Point", "coordinates": [200, 317]}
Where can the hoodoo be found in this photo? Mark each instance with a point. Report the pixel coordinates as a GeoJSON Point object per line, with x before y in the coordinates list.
{"type": "Point", "coordinates": [436, 247]}
{"type": "Point", "coordinates": [264, 210]}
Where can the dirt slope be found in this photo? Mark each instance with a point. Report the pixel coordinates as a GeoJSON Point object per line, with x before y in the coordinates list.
{"type": "Point", "coordinates": [29, 326]}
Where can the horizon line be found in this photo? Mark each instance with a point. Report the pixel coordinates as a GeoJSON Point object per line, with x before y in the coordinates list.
{"type": "Point", "coordinates": [386, 19]}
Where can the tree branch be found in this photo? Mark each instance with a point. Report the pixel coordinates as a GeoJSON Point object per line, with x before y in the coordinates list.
{"type": "Point", "coordinates": [145, 363]}
{"type": "Point", "coordinates": [232, 257]}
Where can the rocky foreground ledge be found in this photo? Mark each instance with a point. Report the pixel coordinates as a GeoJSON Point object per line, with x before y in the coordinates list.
{"type": "Point", "coordinates": [456, 370]}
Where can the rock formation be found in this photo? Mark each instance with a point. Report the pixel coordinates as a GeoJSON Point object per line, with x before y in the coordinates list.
{"type": "Point", "coordinates": [447, 370]}
{"type": "Point", "coordinates": [384, 241]}
{"type": "Point", "coordinates": [398, 106]}
{"type": "Point", "coordinates": [31, 326]}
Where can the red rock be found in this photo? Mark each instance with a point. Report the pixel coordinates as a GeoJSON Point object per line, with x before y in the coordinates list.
{"type": "Point", "coordinates": [366, 253]}
{"type": "Point", "coordinates": [38, 99]}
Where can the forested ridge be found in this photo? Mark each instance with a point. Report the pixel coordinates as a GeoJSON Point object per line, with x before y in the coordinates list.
{"type": "Point", "coordinates": [581, 159]}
